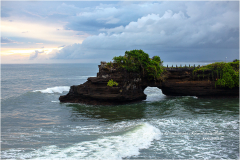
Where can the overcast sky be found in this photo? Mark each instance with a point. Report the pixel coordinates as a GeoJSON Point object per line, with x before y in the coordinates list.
{"type": "Point", "coordinates": [90, 32]}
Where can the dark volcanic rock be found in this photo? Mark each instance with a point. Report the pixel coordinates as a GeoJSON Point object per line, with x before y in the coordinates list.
{"type": "Point", "coordinates": [177, 82]}
{"type": "Point", "coordinates": [180, 82]}
{"type": "Point", "coordinates": [95, 91]}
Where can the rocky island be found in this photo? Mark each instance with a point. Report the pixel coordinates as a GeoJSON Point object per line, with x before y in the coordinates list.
{"type": "Point", "coordinates": [124, 80]}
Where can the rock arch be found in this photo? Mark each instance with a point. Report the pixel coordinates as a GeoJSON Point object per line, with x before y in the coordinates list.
{"type": "Point", "coordinates": [177, 82]}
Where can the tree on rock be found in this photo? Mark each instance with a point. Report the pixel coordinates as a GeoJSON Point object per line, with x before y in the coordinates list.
{"type": "Point", "coordinates": [139, 61]}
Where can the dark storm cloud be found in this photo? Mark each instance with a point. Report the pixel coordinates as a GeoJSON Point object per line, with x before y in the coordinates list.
{"type": "Point", "coordinates": [193, 30]}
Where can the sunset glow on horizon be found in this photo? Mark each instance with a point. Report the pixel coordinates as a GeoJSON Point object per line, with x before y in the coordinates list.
{"type": "Point", "coordinates": [27, 51]}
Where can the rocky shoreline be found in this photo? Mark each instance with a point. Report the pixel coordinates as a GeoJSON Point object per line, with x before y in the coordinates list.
{"type": "Point", "coordinates": [131, 86]}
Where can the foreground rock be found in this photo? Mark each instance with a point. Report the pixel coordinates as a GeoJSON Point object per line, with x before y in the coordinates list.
{"type": "Point", "coordinates": [177, 82]}
{"type": "Point", "coordinates": [95, 91]}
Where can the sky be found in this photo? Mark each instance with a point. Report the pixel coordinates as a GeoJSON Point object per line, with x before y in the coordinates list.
{"type": "Point", "coordinates": [94, 31]}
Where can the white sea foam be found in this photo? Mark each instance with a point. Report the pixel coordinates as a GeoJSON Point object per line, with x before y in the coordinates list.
{"type": "Point", "coordinates": [55, 101]}
{"type": "Point", "coordinates": [230, 124]}
{"type": "Point", "coordinates": [154, 94]}
{"type": "Point", "coordinates": [109, 147]}
{"type": "Point", "coordinates": [108, 129]}
{"type": "Point", "coordinates": [58, 89]}
{"type": "Point", "coordinates": [76, 77]}
{"type": "Point", "coordinates": [83, 77]}
{"type": "Point", "coordinates": [178, 139]}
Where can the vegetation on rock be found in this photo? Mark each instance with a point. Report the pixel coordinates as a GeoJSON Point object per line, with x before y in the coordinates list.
{"type": "Point", "coordinates": [224, 74]}
{"type": "Point", "coordinates": [111, 83]}
{"type": "Point", "coordinates": [139, 61]}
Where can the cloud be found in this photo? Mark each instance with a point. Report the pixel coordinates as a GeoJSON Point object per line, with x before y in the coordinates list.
{"type": "Point", "coordinates": [109, 20]}
{"type": "Point", "coordinates": [108, 16]}
{"type": "Point", "coordinates": [62, 46]}
{"type": "Point", "coordinates": [186, 29]}
{"type": "Point", "coordinates": [35, 54]}
{"type": "Point", "coordinates": [79, 51]}
{"type": "Point", "coordinates": [105, 29]}
{"type": "Point", "coordinates": [69, 52]}
{"type": "Point", "coordinates": [39, 32]}
{"type": "Point", "coordinates": [5, 12]}
{"type": "Point", "coordinates": [7, 41]}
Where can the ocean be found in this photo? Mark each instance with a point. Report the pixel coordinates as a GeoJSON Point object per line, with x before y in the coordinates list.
{"type": "Point", "coordinates": [35, 125]}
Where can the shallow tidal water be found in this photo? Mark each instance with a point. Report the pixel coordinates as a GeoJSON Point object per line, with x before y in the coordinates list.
{"type": "Point", "coordinates": [35, 125]}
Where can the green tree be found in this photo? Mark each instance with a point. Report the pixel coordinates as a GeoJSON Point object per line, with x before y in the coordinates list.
{"type": "Point", "coordinates": [230, 78]}
{"type": "Point", "coordinates": [139, 61]}
{"type": "Point", "coordinates": [226, 74]}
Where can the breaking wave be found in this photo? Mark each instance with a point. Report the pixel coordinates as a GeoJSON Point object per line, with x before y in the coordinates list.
{"type": "Point", "coordinates": [154, 94]}
{"type": "Point", "coordinates": [109, 147]}
{"type": "Point", "coordinates": [58, 89]}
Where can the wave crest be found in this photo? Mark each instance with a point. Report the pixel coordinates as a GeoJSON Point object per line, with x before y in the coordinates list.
{"type": "Point", "coordinates": [57, 89]}
{"type": "Point", "coordinates": [109, 147]}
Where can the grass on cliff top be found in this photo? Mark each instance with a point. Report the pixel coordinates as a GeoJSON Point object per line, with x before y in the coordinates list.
{"type": "Point", "coordinates": [139, 61]}
{"type": "Point", "coordinates": [225, 74]}
{"type": "Point", "coordinates": [219, 66]}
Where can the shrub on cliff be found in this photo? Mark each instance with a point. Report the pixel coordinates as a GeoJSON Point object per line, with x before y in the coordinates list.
{"type": "Point", "coordinates": [225, 74]}
{"type": "Point", "coordinates": [230, 78]}
{"type": "Point", "coordinates": [139, 61]}
{"type": "Point", "coordinates": [111, 83]}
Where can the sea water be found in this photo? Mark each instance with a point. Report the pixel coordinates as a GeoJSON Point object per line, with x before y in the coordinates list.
{"type": "Point", "coordinates": [35, 125]}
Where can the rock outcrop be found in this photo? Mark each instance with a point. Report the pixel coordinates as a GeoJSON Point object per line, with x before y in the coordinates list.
{"type": "Point", "coordinates": [95, 91]}
{"type": "Point", "coordinates": [181, 82]}
{"type": "Point", "coordinates": [177, 82]}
